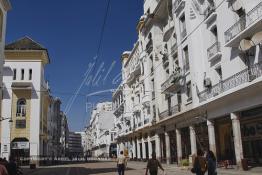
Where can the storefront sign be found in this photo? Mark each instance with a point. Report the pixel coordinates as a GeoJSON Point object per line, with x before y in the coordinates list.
{"type": "Point", "coordinates": [20, 145]}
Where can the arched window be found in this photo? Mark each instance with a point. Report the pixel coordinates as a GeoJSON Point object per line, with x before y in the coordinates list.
{"type": "Point", "coordinates": [21, 108]}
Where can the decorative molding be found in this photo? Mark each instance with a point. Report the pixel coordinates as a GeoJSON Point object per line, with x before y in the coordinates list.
{"type": "Point", "coordinates": [6, 4]}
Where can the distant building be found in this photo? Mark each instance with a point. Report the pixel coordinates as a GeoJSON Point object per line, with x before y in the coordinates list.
{"type": "Point", "coordinates": [75, 145]}
{"type": "Point", "coordinates": [54, 128]}
{"type": "Point", "coordinates": [101, 131]}
{"type": "Point", "coordinates": [64, 135]}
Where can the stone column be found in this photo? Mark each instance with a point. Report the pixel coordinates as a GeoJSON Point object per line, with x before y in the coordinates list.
{"type": "Point", "coordinates": [168, 151]}
{"type": "Point", "coordinates": [211, 136]}
{"type": "Point", "coordinates": [193, 140]}
{"type": "Point", "coordinates": [179, 146]}
{"type": "Point", "coordinates": [150, 151]}
{"type": "Point", "coordinates": [118, 149]}
{"type": "Point", "coordinates": [138, 150]}
{"type": "Point", "coordinates": [237, 138]}
{"type": "Point", "coordinates": [134, 148]}
{"type": "Point", "coordinates": [143, 149]}
{"type": "Point", "coordinates": [158, 147]}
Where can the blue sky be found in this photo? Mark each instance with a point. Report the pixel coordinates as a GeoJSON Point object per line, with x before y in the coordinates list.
{"type": "Point", "coordinates": [70, 31]}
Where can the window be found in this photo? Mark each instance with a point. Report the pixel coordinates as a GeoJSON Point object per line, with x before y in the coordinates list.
{"type": "Point", "coordinates": [22, 74]}
{"type": "Point", "coordinates": [21, 108]}
{"type": "Point", "coordinates": [154, 111]}
{"type": "Point", "coordinates": [20, 124]}
{"type": "Point", "coordinates": [30, 74]}
{"type": "Point", "coordinates": [186, 59]}
{"type": "Point", "coordinates": [189, 91]}
{"type": "Point", "coordinates": [219, 72]}
{"type": "Point", "coordinates": [153, 88]}
{"type": "Point", "coordinates": [183, 27]}
{"type": "Point", "coordinates": [14, 74]}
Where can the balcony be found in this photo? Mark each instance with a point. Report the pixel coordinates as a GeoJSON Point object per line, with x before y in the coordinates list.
{"type": "Point", "coordinates": [173, 83]}
{"type": "Point", "coordinates": [119, 110]}
{"type": "Point", "coordinates": [170, 112]}
{"type": "Point", "coordinates": [242, 77]}
{"type": "Point", "coordinates": [245, 27]}
{"type": "Point", "coordinates": [214, 51]}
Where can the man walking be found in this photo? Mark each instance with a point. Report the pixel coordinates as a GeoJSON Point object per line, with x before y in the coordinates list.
{"type": "Point", "coordinates": [152, 165]}
{"type": "Point", "coordinates": [121, 163]}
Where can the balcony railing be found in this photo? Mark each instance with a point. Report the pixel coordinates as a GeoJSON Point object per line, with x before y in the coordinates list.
{"type": "Point", "coordinates": [213, 50]}
{"type": "Point", "coordinates": [244, 22]}
{"type": "Point", "coordinates": [172, 111]}
{"type": "Point", "coordinates": [173, 80]}
{"type": "Point", "coordinates": [247, 75]}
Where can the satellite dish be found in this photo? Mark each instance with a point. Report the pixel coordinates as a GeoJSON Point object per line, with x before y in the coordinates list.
{"type": "Point", "coordinates": [245, 45]}
{"type": "Point", "coordinates": [256, 39]}
{"type": "Point", "coordinates": [237, 5]}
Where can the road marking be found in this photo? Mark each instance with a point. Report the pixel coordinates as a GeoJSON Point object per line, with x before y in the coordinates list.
{"type": "Point", "coordinates": [68, 171]}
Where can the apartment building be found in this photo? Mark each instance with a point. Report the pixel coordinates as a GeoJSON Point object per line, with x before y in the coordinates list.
{"type": "Point", "coordinates": [101, 131]}
{"type": "Point", "coordinates": [75, 149]}
{"type": "Point", "coordinates": [54, 128]}
{"type": "Point", "coordinates": [26, 100]}
{"type": "Point", "coordinates": [64, 134]}
{"type": "Point", "coordinates": [193, 81]}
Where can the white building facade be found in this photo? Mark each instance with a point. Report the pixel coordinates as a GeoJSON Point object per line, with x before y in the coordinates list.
{"type": "Point", "coordinates": [26, 100]}
{"type": "Point", "coordinates": [101, 131]}
{"type": "Point", "coordinates": [193, 81]}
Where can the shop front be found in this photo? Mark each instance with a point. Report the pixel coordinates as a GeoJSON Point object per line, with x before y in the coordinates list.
{"type": "Point", "coordinates": [225, 140]}
{"type": "Point", "coordinates": [251, 132]}
{"type": "Point", "coordinates": [186, 145]}
{"type": "Point", "coordinates": [20, 150]}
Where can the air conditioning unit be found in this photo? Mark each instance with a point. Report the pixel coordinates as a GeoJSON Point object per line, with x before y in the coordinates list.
{"type": "Point", "coordinates": [207, 82]}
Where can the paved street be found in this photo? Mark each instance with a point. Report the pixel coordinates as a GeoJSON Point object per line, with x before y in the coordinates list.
{"type": "Point", "coordinates": [108, 168]}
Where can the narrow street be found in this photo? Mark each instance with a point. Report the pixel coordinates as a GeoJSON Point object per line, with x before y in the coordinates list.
{"type": "Point", "coordinates": [108, 168]}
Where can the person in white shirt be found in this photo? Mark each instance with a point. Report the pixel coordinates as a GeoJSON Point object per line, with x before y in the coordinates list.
{"type": "Point", "coordinates": [121, 163]}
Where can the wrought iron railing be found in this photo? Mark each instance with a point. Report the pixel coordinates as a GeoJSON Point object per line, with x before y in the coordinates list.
{"type": "Point", "coordinates": [214, 49]}
{"type": "Point", "coordinates": [244, 22]}
{"type": "Point", "coordinates": [172, 111]}
{"type": "Point", "coordinates": [244, 76]}
{"type": "Point", "coordinates": [172, 79]}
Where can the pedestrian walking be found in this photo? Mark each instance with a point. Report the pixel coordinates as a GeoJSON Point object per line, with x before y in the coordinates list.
{"type": "Point", "coordinates": [121, 163]}
{"type": "Point", "coordinates": [211, 163]}
{"type": "Point", "coordinates": [153, 164]}
{"type": "Point", "coordinates": [199, 164]}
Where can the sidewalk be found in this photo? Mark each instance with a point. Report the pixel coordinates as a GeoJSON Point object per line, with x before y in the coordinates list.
{"type": "Point", "coordinates": [171, 169]}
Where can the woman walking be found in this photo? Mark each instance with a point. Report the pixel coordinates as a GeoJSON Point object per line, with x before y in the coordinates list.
{"type": "Point", "coordinates": [199, 164]}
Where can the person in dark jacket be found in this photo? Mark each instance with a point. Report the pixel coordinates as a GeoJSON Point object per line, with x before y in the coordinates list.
{"type": "Point", "coordinates": [12, 166]}
{"type": "Point", "coordinates": [211, 163]}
